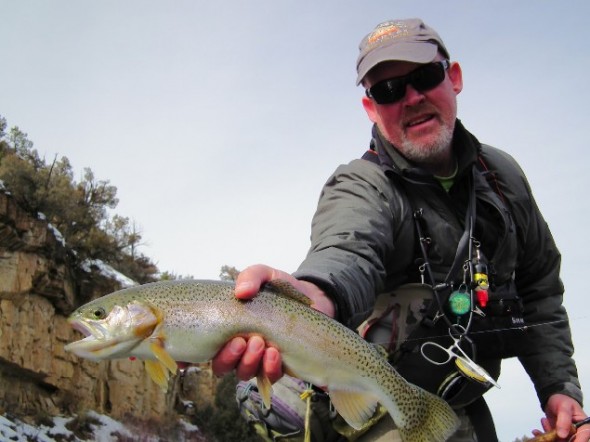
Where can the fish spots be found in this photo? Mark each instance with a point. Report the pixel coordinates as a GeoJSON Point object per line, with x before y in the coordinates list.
{"type": "Point", "coordinates": [195, 318]}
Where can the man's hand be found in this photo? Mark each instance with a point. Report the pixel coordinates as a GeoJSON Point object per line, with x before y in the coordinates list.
{"type": "Point", "coordinates": [561, 412]}
{"type": "Point", "coordinates": [248, 357]}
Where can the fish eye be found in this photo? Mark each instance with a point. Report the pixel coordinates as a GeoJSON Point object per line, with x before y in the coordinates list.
{"type": "Point", "coordinates": [99, 313]}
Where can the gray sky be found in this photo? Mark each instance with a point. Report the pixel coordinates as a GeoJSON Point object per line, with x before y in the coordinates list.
{"type": "Point", "coordinates": [219, 122]}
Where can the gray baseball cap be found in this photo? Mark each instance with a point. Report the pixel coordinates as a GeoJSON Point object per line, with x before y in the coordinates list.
{"type": "Point", "coordinates": [398, 40]}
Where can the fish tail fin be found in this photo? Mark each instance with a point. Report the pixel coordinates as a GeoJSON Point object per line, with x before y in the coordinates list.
{"type": "Point", "coordinates": [437, 421]}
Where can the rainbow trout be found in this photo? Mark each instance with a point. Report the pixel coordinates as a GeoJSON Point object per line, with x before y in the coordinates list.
{"type": "Point", "coordinates": [191, 320]}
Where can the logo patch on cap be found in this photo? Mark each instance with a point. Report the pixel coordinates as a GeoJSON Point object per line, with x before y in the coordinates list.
{"type": "Point", "coordinates": [387, 30]}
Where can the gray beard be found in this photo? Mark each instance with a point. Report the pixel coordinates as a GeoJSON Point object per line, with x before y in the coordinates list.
{"type": "Point", "coordinates": [428, 153]}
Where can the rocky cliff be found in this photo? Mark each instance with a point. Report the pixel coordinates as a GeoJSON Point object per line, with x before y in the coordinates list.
{"type": "Point", "coordinates": [41, 282]}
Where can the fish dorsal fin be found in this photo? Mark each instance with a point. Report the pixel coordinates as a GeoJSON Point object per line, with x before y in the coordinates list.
{"type": "Point", "coordinates": [355, 407]}
{"type": "Point", "coordinates": [265, 390]}
{"type": "Point", "coordinates": [286, 290]}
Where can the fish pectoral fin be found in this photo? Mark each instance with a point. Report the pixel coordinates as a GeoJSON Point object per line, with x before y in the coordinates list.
{"type": "Point", "coordinates": [265, 389]}
{"type": "Point", "coordinates": [160, 368]}
{"type": "Point", "coordinates": [158, 372]}
{"type": "Point", "coordinates": [159, 351]}
{"type": "Point", "coordinates": [355, 407]}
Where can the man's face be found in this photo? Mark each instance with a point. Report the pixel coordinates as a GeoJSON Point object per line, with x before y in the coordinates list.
{"type": "Point", "coordinates": [420, 125]}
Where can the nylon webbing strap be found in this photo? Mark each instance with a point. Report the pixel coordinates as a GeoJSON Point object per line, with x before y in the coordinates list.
{"type": "Point", "coordinates": [463, 250]}
{"type": "Point", "coordinates": [465, 240]}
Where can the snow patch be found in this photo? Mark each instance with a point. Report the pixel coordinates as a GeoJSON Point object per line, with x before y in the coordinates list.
{"type": "Point", "coordinates": [107, 271]}
{"type": "Point", "coordinates": [15, 430]}
{"type": "Point", "coordinates": [56, 233]}
{"type": "Point", "coordinates": [3, 188]}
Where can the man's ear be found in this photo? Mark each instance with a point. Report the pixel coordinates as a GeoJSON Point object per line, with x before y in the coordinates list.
{"type": "Point", "coordinates": [369, 106]}
{"type": "Point", "coordinates": [456, 76]}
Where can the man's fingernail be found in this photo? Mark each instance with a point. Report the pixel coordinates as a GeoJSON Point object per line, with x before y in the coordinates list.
{"type": "Point", "coordinates": [237, 346]}
{"type": "Point", "coordinates": [244, 287]}
{"type": "Point", "coordinates": [256, 344]}
{"type": "Point", "coordinates": [272, 356]}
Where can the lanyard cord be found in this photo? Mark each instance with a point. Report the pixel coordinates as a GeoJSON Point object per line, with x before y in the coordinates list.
{"type": "Point", "coordinates": [465, 245]}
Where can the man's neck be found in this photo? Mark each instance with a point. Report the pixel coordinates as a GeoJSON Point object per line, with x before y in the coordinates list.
{"type": "Point", "coordinates": [445, 164]}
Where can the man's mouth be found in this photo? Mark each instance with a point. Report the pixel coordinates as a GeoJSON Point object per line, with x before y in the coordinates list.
{"type": "Point", "coordinates": [419, 120]}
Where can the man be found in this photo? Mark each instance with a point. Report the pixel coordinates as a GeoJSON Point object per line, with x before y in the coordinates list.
{"type": "Point", "coordinates": [430, 206]}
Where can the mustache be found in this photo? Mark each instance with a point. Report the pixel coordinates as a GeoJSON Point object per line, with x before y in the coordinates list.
{"type": "Point", "coordinates": [418, 110]}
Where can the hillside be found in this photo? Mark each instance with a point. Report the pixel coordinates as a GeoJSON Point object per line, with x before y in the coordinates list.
{"type": "Point", "coordinates": [41, 282]}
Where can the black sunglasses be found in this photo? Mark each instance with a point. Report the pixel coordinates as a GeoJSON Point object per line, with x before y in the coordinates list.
{"type": "Point", "coordinates": [422, 79]}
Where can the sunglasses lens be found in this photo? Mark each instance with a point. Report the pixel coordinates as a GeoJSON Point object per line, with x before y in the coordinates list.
{"type": "Point", "coordinates": [428, 77]}
{"type": "Point", "coordinates": [388, 91]}
{"type": "Point", "coordinates": [422, 79]}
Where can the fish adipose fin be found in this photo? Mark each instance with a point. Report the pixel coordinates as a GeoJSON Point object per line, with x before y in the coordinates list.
{"type": "Point", "coordinates": [381, 350]}
{"type": "Point", "coordinates": [356, 408]}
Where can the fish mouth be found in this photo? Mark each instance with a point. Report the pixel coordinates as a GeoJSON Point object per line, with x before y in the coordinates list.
{"type": "Point", "coordinates": [81, 327]}
{"type": "Point", "coordinates": [89, 344]}
{"type": "Point", "coordinates": [96, 345]}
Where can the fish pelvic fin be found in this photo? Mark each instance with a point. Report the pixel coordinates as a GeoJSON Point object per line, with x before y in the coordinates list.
{"type": "Point", "coordinates": [437, 421]}
{"type": "Point", "coordinates": [355, 407]}
{"type": "Point", "coordinates": [265, 390]}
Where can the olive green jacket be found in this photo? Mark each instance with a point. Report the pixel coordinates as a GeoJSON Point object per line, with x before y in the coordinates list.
{"type": "Point", "coordinates": [363, 243]}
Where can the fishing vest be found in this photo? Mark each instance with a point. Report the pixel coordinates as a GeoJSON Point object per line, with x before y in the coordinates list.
{"type": "Point", "coordinates": [410, 314]}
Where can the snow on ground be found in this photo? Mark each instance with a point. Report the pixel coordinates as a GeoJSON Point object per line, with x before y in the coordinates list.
{"type": "Point", "coordinates": [12, 429]}
{"type": "Point", "coordinates": [104, 429]}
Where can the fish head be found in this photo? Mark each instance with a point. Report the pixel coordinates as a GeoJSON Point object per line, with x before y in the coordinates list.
{"type": "Point", "coordinates": [111, 329]}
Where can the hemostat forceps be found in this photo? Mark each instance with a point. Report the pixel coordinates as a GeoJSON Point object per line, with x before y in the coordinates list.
{"type": "Point", "coordinates": [464, 363]}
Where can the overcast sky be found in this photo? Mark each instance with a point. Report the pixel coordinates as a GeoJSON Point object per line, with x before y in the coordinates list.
{"type": "Point", "coordinates": [218, 122]}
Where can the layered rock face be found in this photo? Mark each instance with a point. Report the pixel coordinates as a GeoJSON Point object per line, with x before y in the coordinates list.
{"type": "Point", "coordinates": [40, 284]}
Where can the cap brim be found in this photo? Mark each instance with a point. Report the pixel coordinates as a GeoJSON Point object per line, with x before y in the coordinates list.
{"type": "Point", "coordinates": [415, 52]}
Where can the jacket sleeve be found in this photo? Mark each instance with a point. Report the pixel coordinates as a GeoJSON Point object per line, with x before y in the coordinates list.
{"type": "Point", "coordinates": [546, 349]}
{"type": "Point", "coordinates": [351, 239]}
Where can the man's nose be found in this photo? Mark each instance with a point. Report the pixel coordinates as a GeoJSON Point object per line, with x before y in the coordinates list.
{"type": "Point", "coordinates": [413, 96]}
